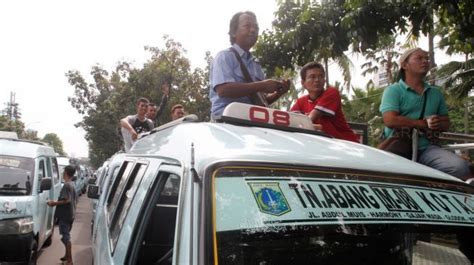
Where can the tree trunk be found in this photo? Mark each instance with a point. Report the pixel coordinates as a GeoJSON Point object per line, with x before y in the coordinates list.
{"type": "Point", "coordinates": [327, 70]}
{"type": "Point", "coordinates": [466, 109]}
{"type": "Point", "coordinates": [431, 49]}
{"type": "Point", "coordinates": [466, 116]}
{"type": "Point", "coordinates": [388, 67]}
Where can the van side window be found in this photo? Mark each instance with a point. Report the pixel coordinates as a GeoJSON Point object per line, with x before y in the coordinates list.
{"type": "Point", "coordinates": [117, 187]}
{"type": "Point", "coordinates": [156, 238]}
{"type": "Point", "coordinates": [124, 201]}
{"type": "Point", "coordinates": [55, 168]}
{"type": "Point", "coordinates": [41, 173]}
{"type": "Point", "coordinates": [48, 168]}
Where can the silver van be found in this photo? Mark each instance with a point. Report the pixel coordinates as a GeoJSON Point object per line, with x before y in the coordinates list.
{"type": "Point", "coordinates": [97, 191]}
{"type": "Point", "coordinates": [259, 186]}
{"type": "Point", "coordinates": [29, 177]}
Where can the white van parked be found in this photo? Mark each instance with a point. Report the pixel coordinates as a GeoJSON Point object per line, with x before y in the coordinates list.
{"type": "Point", "coordinates": [29, 177]}
{"type": "Point", "coordinates": [261, 187]}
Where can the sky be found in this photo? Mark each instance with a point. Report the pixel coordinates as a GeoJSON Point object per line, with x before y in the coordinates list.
{"type": "Point", "coordinates": [42, 40]}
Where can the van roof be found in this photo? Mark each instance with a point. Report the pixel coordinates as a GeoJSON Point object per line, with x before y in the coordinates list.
{"type": "Point", "coordinates": [215, 142]}
{"type": "Point", "coordinates": [25, 148]}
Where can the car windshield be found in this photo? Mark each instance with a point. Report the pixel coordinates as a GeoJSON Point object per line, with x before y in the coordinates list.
{"type": "Point", "coordinates": [16, 175]}
{"type": "Point", "coordinates": [280, 216]}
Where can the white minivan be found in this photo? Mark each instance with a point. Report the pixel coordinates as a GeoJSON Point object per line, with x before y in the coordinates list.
{"type": "Point", "coordinates": [29, 177]}
{"type": "Point", "coordinates": [260, 186]}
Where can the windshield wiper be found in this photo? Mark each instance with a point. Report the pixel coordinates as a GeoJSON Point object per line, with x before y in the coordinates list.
{"type": "Point", "coordinates": [17, 191]}
{"type": "Point", "coordinates": [11, 186]}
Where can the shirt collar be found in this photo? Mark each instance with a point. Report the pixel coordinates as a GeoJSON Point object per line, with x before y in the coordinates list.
{"type": "Point", "coordinates": [241, 52]}
{"type": "Point", "coordinates": [407, 87]}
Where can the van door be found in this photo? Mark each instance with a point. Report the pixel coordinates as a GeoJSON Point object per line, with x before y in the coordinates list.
{"type": "Point", "coordinates": [42, 209]}
{"type": "Point", "coordinates": [51, 172]}
{"type": "Point", "coordinates": [153, 238]}
{"type": "Point", "coordinates": [57, 177]}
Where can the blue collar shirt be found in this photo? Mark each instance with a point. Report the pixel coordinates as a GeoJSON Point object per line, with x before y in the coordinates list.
{"type": "Point", "coordinates": [226, 69]}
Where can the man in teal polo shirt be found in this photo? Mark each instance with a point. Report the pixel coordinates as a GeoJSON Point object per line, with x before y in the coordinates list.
{"type": "Point", "coordinates": [402, 105]}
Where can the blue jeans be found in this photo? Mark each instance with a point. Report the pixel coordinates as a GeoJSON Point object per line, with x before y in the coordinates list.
{"type": "Point", "coordinates": [445, 161]}
{"type": "Point", "coordinates": [64, 230]}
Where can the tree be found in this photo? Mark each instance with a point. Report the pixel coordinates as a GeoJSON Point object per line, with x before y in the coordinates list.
{"type": "Point", "coordinates": [11, 125]}
{"type": "Point", "coordinates": [384, 55]}
{"type": "Point", "coordinates": [305, 31]}
{"type": "Point", "coordinates": [455, 26]}
{"type": "Point", "coordinates": [94, 102]}
{"type": "Point", "coordinates": [112, 96]}
{"type": "Point", "coordinates": [30, 135]}
{"type": "Point", "coordinates": [11, 121]}
{"type": "Point", "coordinates": [54, 140]}
{"type": "Point", "coordinates": [458, 77]}
{"type": "Point", "coordinates": [364, 107]}
{"type": "Point", "coordinates": [461, 119]}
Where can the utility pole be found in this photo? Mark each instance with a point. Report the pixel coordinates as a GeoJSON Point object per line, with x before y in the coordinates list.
{"type": "Point", "coordinates": [12, 111]}
{"type": "Point", "coordinates": [10, 105]}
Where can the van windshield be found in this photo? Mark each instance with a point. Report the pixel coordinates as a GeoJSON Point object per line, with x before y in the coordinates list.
{"type": "Point", "coordinates": [16, 175]}
{"type": "Point", "coordinates": [281, 216]}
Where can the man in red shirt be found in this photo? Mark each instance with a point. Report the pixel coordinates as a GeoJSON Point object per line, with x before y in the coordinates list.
{"type": "Point", "coordinates": [323, 106]}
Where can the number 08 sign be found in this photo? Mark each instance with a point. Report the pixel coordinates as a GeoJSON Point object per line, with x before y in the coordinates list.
{"type": "Point", "coordinates": [257, 114]}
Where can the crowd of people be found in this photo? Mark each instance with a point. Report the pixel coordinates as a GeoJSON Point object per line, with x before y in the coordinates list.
{"type": "Point", "coordinates": [236, 76]}
{"type": "Point", "coordinates": [133, 126]}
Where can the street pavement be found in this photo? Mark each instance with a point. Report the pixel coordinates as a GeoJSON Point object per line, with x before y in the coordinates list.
{"type": "Point", "coordinates": [81, 238]}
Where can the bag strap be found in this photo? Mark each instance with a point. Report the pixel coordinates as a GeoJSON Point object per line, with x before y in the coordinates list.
{"type": "Point", "coordinates": [382, 136]}
{"type": "Point", "coordinates": [257, 98]}
{"type": "Point", "coordinates": [424, 105]}
{"type": "Point", "coordinates": [243, 68]}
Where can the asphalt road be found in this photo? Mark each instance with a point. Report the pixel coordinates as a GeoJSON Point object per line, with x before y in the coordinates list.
{"type": "Point", "coordinates": [81, 238]}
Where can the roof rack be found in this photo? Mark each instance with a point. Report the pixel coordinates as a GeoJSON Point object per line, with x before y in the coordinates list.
{"type": "Point", "coordinates": [27, 141]}
{"type": "Point", "coordinates": [185, 119]}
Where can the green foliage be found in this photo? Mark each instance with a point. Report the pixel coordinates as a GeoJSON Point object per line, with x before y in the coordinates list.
{"type": "Point", "coordinates": [384, 55]}
{"type": "Point", "coordinates": [30, 135]}
{"type": "Point", "coordinates": [456, 20]}
{"type": "Point", "coordinates": [461, 115]}
{"type": "Point", "coordinates": [112, 96]}
{"type": "Point", "coordinates": [458, 78]}
{"type": "Point", "coordinates": [11, 121]}
{"type": "Point", "coordinates": [302, 32]}
{"type": "Point", "coordinates": [364, 108]}
{"type": "Point", "coordinates": [11, 125]}
{"type": "Point", "coordinates": [323, 30]}
{"type": "Point", "coordinates": [12, 111]}
{"type": "Point", "coordinates": [54, 140]}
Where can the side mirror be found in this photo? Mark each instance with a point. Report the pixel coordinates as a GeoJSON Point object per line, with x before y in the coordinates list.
{"type": "Point", "coordinates": [46, 184]}
{"type": "Point", "coordinates": [92, 181]}
{"type": "Point", "coordinates": [93, 192]}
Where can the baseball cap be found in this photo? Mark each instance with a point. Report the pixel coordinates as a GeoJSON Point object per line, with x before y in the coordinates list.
{"type": "Point", "coordinates": [407, 54]}
{"type": "Point", "coordinates": [403, 58]}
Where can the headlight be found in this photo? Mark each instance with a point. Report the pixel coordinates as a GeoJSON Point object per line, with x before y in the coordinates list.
{"type": "Point", "coordinates": [16, 226]}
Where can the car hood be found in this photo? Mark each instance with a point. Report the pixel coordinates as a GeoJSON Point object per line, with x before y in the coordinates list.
{"type": "Point", "coordinates": [14, 207]}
